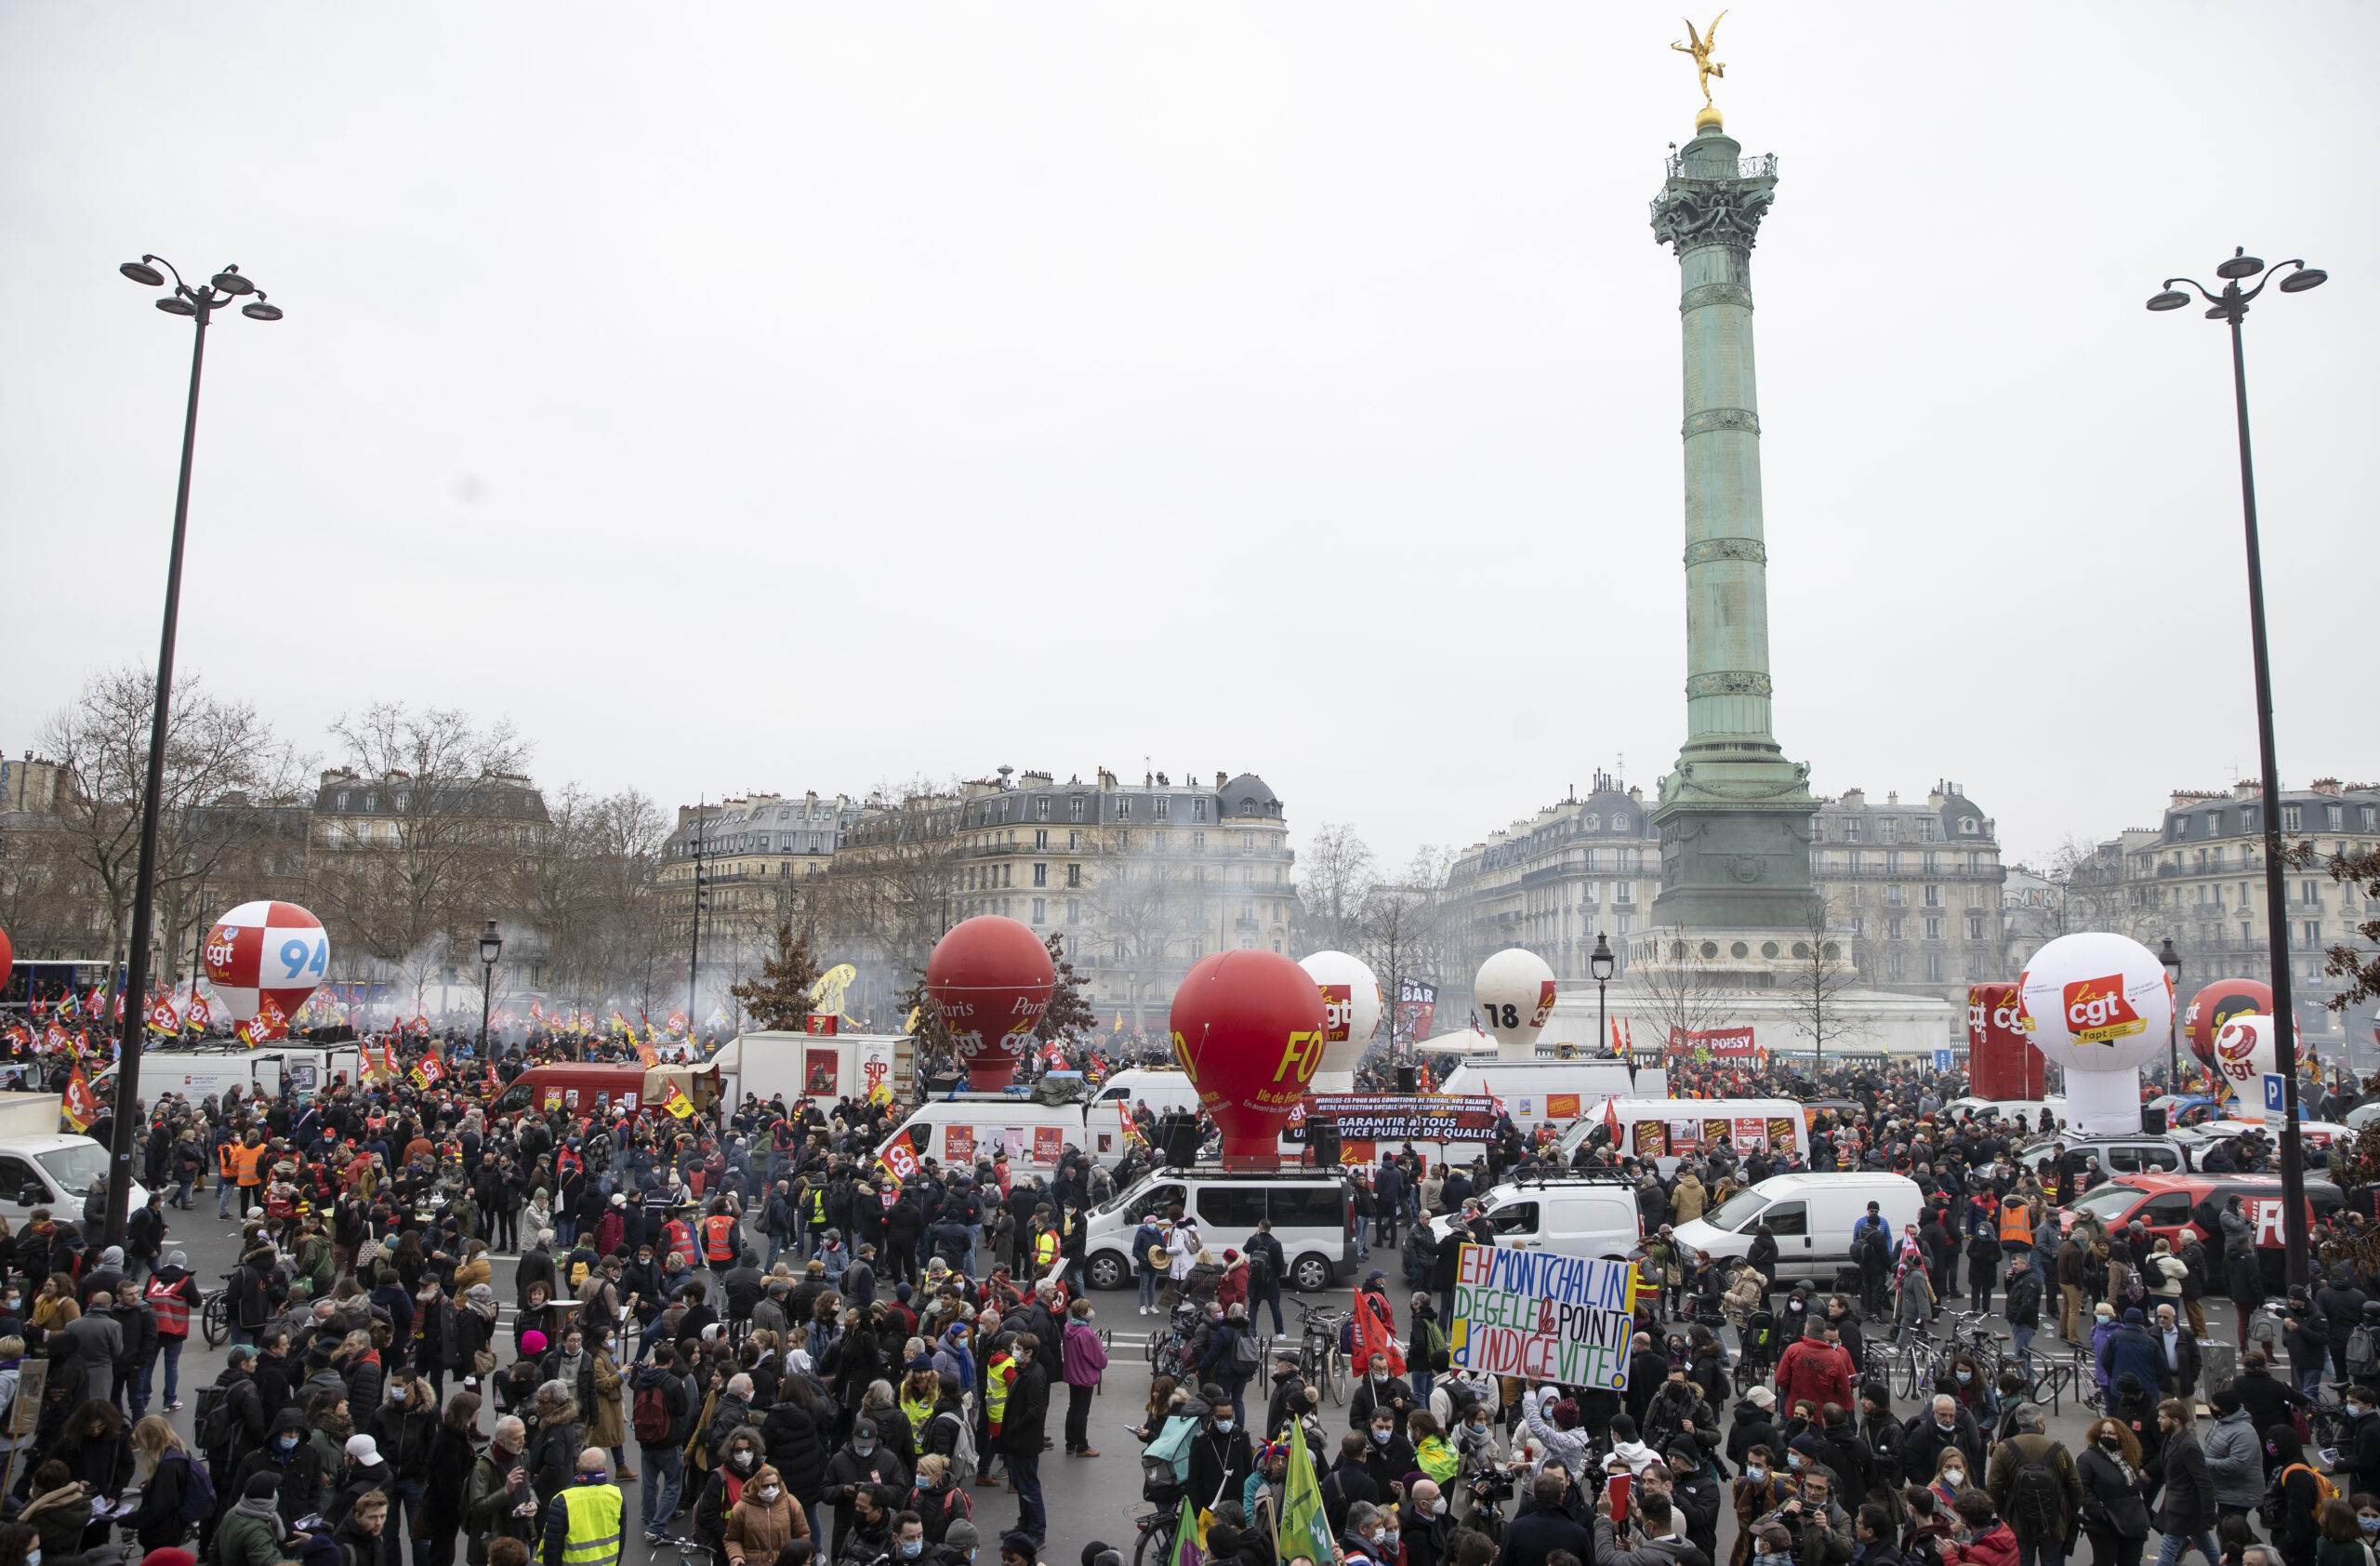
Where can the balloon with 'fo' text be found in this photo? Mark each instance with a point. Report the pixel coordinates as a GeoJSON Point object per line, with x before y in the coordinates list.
{"type": "Point", "coordinates": [1250, 1028]}
{"type": "Point", "coordinates": [2218, 1004]}
{"type": "Point", "coordinates": [8, 956]}
{"type": "Point", "coordinates": [1514, 989]}
{"type": "Point", "coordinates": [266, 948]}
{"type": "Point", "coordinates": [990, 978]}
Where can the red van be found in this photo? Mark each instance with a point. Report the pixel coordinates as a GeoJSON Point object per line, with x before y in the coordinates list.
{"type": "Point", "coordinates": [597, 1089]}
{"type": "Point", "coordinates": [2182, 1207]}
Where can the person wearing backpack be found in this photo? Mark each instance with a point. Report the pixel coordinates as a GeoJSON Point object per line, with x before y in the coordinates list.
{"type": "Point", "coordinates": [2299, 1492]}
{"type": "Point", "coordinates": [2363, 1348]}
{"type": "Point", "coordinates": [1266, 1264]}
{"type": "Point", "coordinates": [2035, 1488]}
{"type": "Point", "coordinates": [1082, 1361]}
{"type": "Point", "coordinates": [1226, 1363]}
{"type": "Point", "coordinates": [176, 1494]}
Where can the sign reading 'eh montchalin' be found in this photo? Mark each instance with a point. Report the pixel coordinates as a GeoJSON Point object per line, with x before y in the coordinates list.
{"type": "Point", "coordinates": [1529, 1313]}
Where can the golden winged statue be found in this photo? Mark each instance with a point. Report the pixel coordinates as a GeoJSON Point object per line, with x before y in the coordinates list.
{"type": "Point", "coordinates": [1703, 43]}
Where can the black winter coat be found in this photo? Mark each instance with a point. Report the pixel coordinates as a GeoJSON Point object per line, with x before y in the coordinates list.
{"type": "Point", "coordinates": [796, 1452]}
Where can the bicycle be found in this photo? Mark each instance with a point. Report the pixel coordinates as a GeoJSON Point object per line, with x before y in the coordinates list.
{"type": "Point", "coordinates": [1157, 1528]}
{"type": "Point", "coordinates": [1321, 1364]}
{"type": "Point", "coordinates": [215, 1315]}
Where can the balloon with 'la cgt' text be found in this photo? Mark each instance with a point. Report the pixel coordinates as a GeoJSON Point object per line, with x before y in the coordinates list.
{"type": "Point", "coordinates": [8, 956]}
{"type": "Point", "coordinates": [1249, 1030]}
{"type": "Point", "coordinates": [266, 948]}
{"type": "Point", "coordinates": [1351, 1008]}
{"type": "Point", "coordinates": [2218, 1004]}
{"type": "Point", "coordinates": [990, 978]}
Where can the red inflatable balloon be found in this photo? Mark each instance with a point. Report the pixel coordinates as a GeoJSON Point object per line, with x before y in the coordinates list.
{"type": "Point", "coordinates": [1249, 1028]}
{"type": "Point", "coordinates": [2219, 1004]}
{"type": "Point", "coordinates": [990, 978]}
{"type": "Point", "coordinates": [7, 955]}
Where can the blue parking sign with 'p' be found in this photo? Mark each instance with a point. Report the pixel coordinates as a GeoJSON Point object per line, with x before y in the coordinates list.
{"type": "Point", "coordinates": [1941, 1060]}
{"type": "Point", "coordinates": [2276, 1095]}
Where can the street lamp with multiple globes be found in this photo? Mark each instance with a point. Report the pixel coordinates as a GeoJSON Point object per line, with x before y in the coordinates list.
{"type": "Point", "coordinates": [491, 947]}
{"type": "Point", "coordinates": [219, 292]}
{"type": "Point", "coordinates": [2231, 306]}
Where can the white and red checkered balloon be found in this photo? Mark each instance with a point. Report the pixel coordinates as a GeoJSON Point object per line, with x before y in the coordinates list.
{"type": "Point", "coordinates": [266, 948]}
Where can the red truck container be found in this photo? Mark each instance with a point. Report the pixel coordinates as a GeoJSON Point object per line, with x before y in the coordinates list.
{"type": "Point", "coordinates": [598, 1089]}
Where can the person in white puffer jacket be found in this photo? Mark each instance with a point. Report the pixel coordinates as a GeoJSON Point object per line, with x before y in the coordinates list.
{"type": "Point", "coordinates": [1552, 1423]}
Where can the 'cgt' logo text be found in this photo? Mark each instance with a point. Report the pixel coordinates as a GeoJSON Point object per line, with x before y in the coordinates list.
{"type": "Point", "coordinates": [2097, 1012]}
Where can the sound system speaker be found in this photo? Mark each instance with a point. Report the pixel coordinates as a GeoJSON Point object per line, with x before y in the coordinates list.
{"type": "Point", "coordinates": [2152, 1120]}
{"type": "Point", "coordinates": [1322, 1139]}
{"type": "Point", "coordinates": [1182, 1145]}
{"type": "Point", "coordinates": [1408, 1080]}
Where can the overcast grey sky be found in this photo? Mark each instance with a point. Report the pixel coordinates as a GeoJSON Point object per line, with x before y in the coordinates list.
{"type": "Point", "coordinates": [791, 396]}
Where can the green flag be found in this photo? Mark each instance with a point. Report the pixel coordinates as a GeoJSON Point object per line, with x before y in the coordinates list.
{"type": "Point", "coordinates": [1186, 1537]}
{"type": "Point", "coordinates": [1304, 1529]}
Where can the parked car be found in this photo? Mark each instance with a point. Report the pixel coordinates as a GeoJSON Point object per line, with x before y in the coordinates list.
{"type": "Point", "coordinates": [2177, 1208]}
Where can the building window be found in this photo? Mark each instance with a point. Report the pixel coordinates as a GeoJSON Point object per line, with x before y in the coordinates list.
{"type": "Point", "coordinates": [2313, 932]}
{"type": "Point", "coordinates": [1198, 843]}
{"type": "Point", "coordinates": [1041, 840]}
{"type": "Point", "coordinates": [2289, 814]}
{"type": "Point", "coordinates": [1074, 808]}
{"type": "Point", "coordinates": [1623, 892]}
{"type": "Point", "coordinates": [2307, 895]}
{"type": "Point", "coordinates": [1892, 861]}
{"type": "Point", "coordinates": [1161, 841]}
{"type": "Point", "coordinates": [1925, 828]}
{"type": "Point", "coordinates": [1165, 807]}
{"type": "Point", "coordinates": [1073, 842]}
{"type": "Point", "coordinates": [1073, 875]}
{"type": "Point", "coordinates": [1933, 863]}
{"type": "Point", "coordinates": [1123, 842]}
{"type": "Point", "coordinates": [1041, 807]}
{"type": "Point", "coordinates": [1041, 910]}
{"type": "Point", "coordinates": [1894, 963]}
{"type": "Point", "coordinates": [1974, 861]}
{"type": "Point", "coordinates": [1975, 927]}
{"type": "Point", "coordinates": [1934, 966]}
{"type": "Point", "coordinates": [1619, 820]}
{"type": "Point", "coordinates": [1040, 875]}
{"type": "Point", "coordinates": [1933, 929]}
{"type": "Point", "coordinates": [1073, 910]}
{"type": "Point", "coordinates": [1850, 829]}
{"type": "Point", "coordinates": [1892, 897]}
{"type": "Point", "coordinates": [1619, 924]}
{"type": "Point", "coordinates": [2367, 815]}
{"type": "Point", "coordinates": [1933, 896]}
{"type": "Point", "coordinates": [1889, 828]}
{"type": "Point", "coordinates": [1123, 810]}
{"type": "Point", "coordinates": [1967, 826]}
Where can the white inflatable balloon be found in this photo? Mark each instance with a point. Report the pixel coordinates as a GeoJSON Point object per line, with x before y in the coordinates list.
{"type": "Point", "coordinates": [2243, 1053]}
{"type": "Point", "coordinates": [1515, 991]}
{"type": "Point", "coordinates": [1352, 1000]}
{"type": "Point", "coordinates": [2101, 1006]}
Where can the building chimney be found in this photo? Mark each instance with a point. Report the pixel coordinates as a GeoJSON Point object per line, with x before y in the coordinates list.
{"type": "Point", "coordinates": [2326, 784]}
{"type": "Point", "coordinates": [1221, 780]}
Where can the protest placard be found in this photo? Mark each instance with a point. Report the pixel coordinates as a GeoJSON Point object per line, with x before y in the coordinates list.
{"type": "Point", "coordinates": [1534, 1314]}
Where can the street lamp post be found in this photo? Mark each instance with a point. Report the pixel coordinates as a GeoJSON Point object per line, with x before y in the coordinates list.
{"type": "Point", "coordinates": [491, 947]}
{"type": "Point", "coordinates": [2231, 306]}
{"type": "Point", "coordinates": [2172, 961]}
{"type": "Point", "coordinates": [200, 304]}
{"type": "Point", "coordinates": [1601, 965]}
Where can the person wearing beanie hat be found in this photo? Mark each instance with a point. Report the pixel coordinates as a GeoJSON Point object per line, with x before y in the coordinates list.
{"type": "Point", "coordinates": [170, 1556]}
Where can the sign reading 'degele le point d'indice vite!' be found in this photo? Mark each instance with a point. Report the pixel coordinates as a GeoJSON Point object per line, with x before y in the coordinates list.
{"type": "Point", "coordinates": [1533, 1314]}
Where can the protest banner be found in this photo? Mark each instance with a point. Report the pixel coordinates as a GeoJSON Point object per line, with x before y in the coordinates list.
{"type": "Point", "coordinates": [1381, 1117]}
{"type": "Point", "coordinates": [1540, 1316]}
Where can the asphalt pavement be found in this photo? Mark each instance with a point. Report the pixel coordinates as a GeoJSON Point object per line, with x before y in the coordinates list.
{"type": "Point", "coordinates": [1087, 1498]}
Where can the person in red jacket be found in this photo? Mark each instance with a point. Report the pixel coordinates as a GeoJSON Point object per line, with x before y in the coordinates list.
{"type": "Point", "coordinates": [1993, 1543]}
{"type": "Point", "coordinates": [1816, 1368]}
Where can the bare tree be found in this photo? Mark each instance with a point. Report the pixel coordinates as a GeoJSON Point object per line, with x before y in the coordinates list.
{"type": "Point", "coordinates": [1817, 981]}
{"type": "Point", "coordinates": [1674, 981]}
{"type": "Point", "coordinates": [1143, 917]}
{"type": "Point", "coordinates": [1335, 880]}
{"type": "Point", "coordinates": [2088, 877]}
{"type": "Point", "coordinates": [223, 766]}
{"type": "Point", "coordinates": [443, 814]}
{"type": "Point", "coordinates": [892, 892]}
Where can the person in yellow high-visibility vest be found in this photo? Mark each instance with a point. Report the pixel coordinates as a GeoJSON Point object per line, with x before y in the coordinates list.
{"type": "Point", "coordinates": [584, 1524]}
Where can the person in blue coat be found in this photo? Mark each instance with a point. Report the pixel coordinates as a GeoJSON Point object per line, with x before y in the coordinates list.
{"type": "Point", "coordinates": [2130, 1347]}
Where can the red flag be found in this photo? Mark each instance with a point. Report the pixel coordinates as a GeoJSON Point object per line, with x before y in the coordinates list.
{"type": "Point", "coordinates": [163, 1018]}
{"type": "Point", "coordinates": [82, 1103]}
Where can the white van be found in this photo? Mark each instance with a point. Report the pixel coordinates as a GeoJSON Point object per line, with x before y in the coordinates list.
{"type": "Point", "coordinates": [42, 1166]}
{"type": "Point", "coordinates": [1313, 1212]}
{"type": "Point", "coordinates": [1683, 1126]}
{"type": "Point", "coordinates": [2007, 1109]}
{"type": "Point", "coordinates": [1810, 1215]}
{"type": "Point", "coordinates": [1555, 1093]}
{"type": "Point", "coordinates": [1592, 1214]}
{"type": "Point", "coordinates": [959, 1128]}
{"type": "Point", "coordinates": [1160, 1091]}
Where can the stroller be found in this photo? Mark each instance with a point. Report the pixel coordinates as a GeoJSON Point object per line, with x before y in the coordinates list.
{"type": "Point", "coordinates": [1758, 1360]}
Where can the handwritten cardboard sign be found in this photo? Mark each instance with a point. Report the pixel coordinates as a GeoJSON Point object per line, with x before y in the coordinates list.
{"type": "Point", "coordinates": [1534, 1314]}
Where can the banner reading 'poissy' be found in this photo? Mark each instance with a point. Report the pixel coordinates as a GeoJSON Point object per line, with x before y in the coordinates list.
{"type": "Point", "coordinates": [1530, 1313]}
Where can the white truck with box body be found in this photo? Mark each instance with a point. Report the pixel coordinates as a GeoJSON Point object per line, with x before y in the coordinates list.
{"type": "Point", "coordinates": [822, 1067]}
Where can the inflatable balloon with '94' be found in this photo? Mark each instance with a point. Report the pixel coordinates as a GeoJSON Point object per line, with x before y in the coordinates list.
{"type": "Point", "coordinates": [2100, 1006]}
{"type": "Point", "coordinates": [266, 951]}
{"type": "Point", "coordinates": [1248, 1028]}
{"type": "Point", "coordinates": [1351, 1008]}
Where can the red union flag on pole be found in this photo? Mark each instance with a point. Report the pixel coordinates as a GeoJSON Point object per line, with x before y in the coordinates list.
{"type": "Point", "coordinates": [163, 1018]}
{"type": "Point", "coordinates": [82, 1105]}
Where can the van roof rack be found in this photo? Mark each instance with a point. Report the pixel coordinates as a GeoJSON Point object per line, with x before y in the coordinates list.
{"type": "Point", "coordinates": [1571, 1177]}
{"type": "Point", "coordinates": [1217, 1172]}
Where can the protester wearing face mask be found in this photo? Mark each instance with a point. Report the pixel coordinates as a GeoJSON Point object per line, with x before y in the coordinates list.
{"type": "Point", "coordinates": [1380, 1389]}
{"type": "Point", "coordinates": [1424, 1523]}
{"type": "Point", "coordinates": [296, 1462]}
{"type": "Point", "coordinates": [1388, 1456]}
{"type": "Point", "coordinates": [766, 1519]}
{"type": "Point", "coordinates": [1221, 1459]}
{"type": "Point", "coordinates": [863, 1461]}
{"type": "Point", "coordinates": [1945, 1424]}
{"type": "Point", "coordinates": [2359, 1464]}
